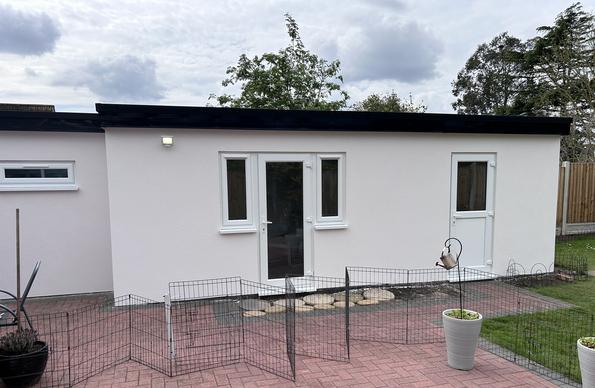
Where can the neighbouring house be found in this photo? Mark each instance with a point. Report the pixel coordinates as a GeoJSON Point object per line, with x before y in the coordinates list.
{"type": "Point", "coordinates": [134, 197]}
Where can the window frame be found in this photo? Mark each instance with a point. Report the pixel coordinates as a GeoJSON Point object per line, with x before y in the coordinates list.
{"type": "Point", "coordinates": [37, 184]}
{"type": "Point", "coordinates": [237, 226]}
{"type": "Point", "coordinates": [338, 221]}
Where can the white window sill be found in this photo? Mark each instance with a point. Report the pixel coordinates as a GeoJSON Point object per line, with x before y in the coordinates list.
{"type": "Point", "coordinates": [247, 229]}
{"type": "Point", "coordinates": [330, 226]}
{"type": "Point", "coordinates": [56, 187]}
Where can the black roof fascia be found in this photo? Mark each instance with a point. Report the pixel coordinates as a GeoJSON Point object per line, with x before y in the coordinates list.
{"type": "Point", "coordinates": [159, 116]}
{"type": "Point", "coordinates": [49, 122]}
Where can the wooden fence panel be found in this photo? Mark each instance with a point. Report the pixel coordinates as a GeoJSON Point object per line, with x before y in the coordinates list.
{"type": "Point", "coordinates": [581, 194]}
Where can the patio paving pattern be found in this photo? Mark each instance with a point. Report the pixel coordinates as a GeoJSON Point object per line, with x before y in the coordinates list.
{"type": "Point", "coordinates": [372, 364]}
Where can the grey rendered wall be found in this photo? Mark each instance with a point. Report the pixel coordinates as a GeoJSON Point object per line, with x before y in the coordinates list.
{"type": "Point", "coordinates": [67, 230]}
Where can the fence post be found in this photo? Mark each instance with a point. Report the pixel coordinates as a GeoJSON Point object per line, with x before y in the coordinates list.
{"type": "Point", "coordinates": [407, 310]}
{"type": "Point", "coordinates": [518, 322]}
{"type": "Point", "coordinates": [529, 335]}
{"type": "Point", "coordinates": [347, 332]}
{"type": "Point", "coordinates": [68, 348]}
{"type": "Point", "coordinates": [129, 327]}
{"type": "Point", "coordinates": [170, 332]}
{"type": "Point", "coordinates": [243, 347]}
{"type": "Point", "coordinates": [290, 323]}
{"type": "Point", "coordinates": [566, 183]}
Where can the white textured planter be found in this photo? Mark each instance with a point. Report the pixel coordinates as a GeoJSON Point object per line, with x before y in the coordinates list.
{"type": "Point", "coordinates": [462, 337]}
{"type": "Point", "coordinates": [586, 360]}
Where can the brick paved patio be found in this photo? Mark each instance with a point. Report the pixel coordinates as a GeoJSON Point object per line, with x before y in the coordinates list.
{"type": "Point", "coordinates": [372, 364]}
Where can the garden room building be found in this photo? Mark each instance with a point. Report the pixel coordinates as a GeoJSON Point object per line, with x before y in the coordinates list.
{"type": "Point", "coordinates": [134, 197]}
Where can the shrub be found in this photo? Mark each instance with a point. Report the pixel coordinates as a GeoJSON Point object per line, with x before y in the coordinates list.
{"type": "Point", "coordinates": [18, 342]}
{"type": "Point", "coordinates": [462, 314]}
{"type": "Point", "coordinates": [588, 342]}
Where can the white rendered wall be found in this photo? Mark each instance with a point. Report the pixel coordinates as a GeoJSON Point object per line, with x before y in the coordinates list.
{"type": "Point", "coordinates": [165, 203]}
{"type": "Point", "coordinates": [67, 230]}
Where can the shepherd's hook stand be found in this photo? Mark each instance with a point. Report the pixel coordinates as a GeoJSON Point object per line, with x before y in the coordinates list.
{"type": "Point", "coordinates": [449, 261]}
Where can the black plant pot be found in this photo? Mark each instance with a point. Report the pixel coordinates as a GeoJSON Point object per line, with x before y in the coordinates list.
{"type": "Point", "coordinates": [24, 370]}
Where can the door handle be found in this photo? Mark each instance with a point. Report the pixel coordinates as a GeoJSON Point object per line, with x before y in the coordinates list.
{"type": "Point", "coordinates": [266, 222]}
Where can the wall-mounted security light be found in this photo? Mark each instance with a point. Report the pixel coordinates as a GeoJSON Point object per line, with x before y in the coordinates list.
{"type": "Point", "coordinates": [167, 141]}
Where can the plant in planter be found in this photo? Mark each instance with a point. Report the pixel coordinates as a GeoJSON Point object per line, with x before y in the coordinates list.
{"type": "Point", "coordinates": [461, 326]}
{"type": "Point", "coordinates": [23, 358]}
{"type": "Point", "coordinates": [586, 359]}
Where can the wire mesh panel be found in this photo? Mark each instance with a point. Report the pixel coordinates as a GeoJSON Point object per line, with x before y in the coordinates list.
{"type": "Point", "coordinates": [378, 321]}
{"type": "Point", "coordinates": [398, 305]}
{"type": "Point", "coordinates": [571, 267]}
{"type": "Point", "coordinates": [428, 293]}
{"type": "Point", "coordinates": [534, 331]}
{"type": "Point", "coordinates": [321, 322]}
{"type": "Point", "coordinates": [496, 296]}
{"type": "Point", "coordinates": [543, 341]}
{"type": "Point", "coordinates": [203, 289]}
{"type": "Point", "coordinates": [264, 311]}
{"type": "Point", "coordinates": [218, 322]}
{"type": "Point", "coordinates": [148, 334]}
{"type": "Point", "coordinates": [86, 341]}
{"type": "Point", "coordinates": [99, 338]}
{"type": "Point", "coordinates": [206, 324]}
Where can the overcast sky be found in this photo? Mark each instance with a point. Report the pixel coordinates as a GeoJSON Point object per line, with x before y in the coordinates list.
{"type": "Point", "coordinates": [75, 53]}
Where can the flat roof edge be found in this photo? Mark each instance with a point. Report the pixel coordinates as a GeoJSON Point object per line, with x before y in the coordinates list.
{"type": "Point", "coordinates": [161, 116]}
{"type": "Point", "coordinates": [50, 122]}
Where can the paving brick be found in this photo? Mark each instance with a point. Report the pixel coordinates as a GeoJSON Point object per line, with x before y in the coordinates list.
{"type": "Point", "coordinates": [372, 364]}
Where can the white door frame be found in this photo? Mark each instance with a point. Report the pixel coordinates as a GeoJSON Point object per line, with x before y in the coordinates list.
{"type": "Point", "coordinates": [488, 214]}
{"type": "Point", "coordinates": [308, 211]}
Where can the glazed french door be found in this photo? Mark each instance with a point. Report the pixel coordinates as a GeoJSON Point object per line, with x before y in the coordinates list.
{"type": "Point", "coordinates": [285, 216]}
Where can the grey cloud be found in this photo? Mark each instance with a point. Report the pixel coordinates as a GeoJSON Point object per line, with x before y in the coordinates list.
{"type": "Point", "coordinates": [124, 78]}
{"type": "Point", "coordinates": [26, 33]}
{"type": "Point", "coordinates": [388, 4]}
{"type": "Point", "coordinates": [407, 53]}
{"type": "Point", "coordinates": [29, 72]}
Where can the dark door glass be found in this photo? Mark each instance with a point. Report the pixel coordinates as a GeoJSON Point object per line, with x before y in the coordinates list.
{"type": "Point", "coordinates": [330, 187]}
{"type": "Point", "coordinates": [471, 186]}
{"type": "Point", "coordinates": [236, 189]}
{"type": "Point", "coordinates": [285, 212]}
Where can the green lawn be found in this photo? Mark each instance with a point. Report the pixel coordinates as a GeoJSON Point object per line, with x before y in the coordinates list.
{"type": "Point", "coordinates": [580, 293]}
{"type": "Point", "coordinates": [578, 246]}
{"type": "Point", "coordinates": [549, 337]}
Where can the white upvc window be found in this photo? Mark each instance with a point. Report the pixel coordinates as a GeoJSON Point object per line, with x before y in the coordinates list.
{"type": "Point", "coordinates": [37, 176]}
{"type": "Point", "coordinates": [330, 191]}
{"type": "Point", "coordinates": [237, 198]}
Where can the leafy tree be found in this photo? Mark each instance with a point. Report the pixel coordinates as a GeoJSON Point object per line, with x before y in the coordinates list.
{"type": "Point", "coordinates": [561, 65]}
{"type": "Point", "coordinates": [551, 74]}
{"type": "Point", "coordinates": [389, 102]}
{"type": "Point", "coordinates": [293, 78]}
{"type": "Point", "coordinates": [491, 77]}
